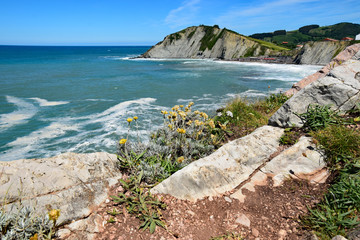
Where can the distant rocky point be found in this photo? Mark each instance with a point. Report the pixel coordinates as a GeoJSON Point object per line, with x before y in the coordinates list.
{"type": "Point", "coordinates": [206, 42]}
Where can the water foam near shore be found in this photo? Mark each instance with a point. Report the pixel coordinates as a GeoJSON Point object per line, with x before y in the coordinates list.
{"type": "Point", "coordinates": [60, 99]}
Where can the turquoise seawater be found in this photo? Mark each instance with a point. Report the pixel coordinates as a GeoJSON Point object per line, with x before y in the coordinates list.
{"type": "Point", "coordinates": [61, 99]}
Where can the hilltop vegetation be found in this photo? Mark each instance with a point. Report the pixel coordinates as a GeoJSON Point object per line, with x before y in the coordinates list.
{"type": "Point", "coordinates": [310, 33]}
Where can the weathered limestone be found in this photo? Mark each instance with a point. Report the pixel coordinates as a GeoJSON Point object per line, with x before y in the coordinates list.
{"type": "Point", "coordinates": [300, 161]}
{"type": "Point", "coordinates": [340, 89]}
{"type": "Point", "coordinates": [320, 52]}
{"type": "Point", "coordinates": [188, 44]}
{"type": "Point", "coordinates": [224, 169]}
{"type": "Point", "coordinates": [73, 183]}
{"type": "Point", "coordinates": [351, 52]}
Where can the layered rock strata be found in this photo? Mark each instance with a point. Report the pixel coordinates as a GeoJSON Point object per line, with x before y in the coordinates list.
{"type": "Point", "coordinates": [74, 183]}
{"type": "Point", "coordinates": [339, 89]}
{"type": "Point", "coordinates": [208, 42]}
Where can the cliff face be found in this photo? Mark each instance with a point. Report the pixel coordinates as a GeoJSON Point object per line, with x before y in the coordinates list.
{"type": "Point", "coordinates": [209, 42]}
{"type": "Point", "coordinates": [320, 53]}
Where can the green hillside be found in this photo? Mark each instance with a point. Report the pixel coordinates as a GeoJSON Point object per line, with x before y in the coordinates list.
{"type": "Point", "coordinates": [310, 33]}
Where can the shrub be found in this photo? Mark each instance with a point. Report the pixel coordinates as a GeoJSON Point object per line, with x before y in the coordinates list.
{"type": "Point", "coordinates": [248, 116]}
{"type": "Point", "coordinates": [26, 224]}
{"type": "Point", "coordinates": [318, 117]}
{"type": "Point", "coordinates": [141, 203]}
{"type": "Point", "coordinates": [339, 211]}
{"type": "Point", "coordinates": [339, 143]}
{"type": "Point", "coordinates": [185, 136]}
{"type": "Point", "coordinates": [290, 137]}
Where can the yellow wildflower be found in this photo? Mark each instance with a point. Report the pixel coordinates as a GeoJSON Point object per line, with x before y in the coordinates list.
{"type": "Point", "coordinates": [136, 118]}
{"type": "Point", "coordinates": [164, 112]}
{"type": "Point", "coordinates": [181, 106]}
{"type": "Point", "coordinates": [170, 126]}
{"type": "Point", "coordinates": [189, 122]}
{"type": "Point", "coordinates": [175, 108]}
{"type": "Point", "coordinates": [204, 115]}
{"type": "Point", "coordinates": [182, 114]}
{"type": "Point", "coordinates": [191, 103]}
{"type": "Point", "coordinates": [35, 237]}
{"type": "Point", "coordinates": [54, 214]}
{"type": "Point", "coordinates": [181, 130]}
{"type": "Point", "coordinates": [211, 124]}
{"type": "Point", "coordinates": [197, 112]}
{"type": "Point", "coordinates": [223, 127]}
{"type": "Point", "coordinates": [122, 141]}
{"type": "Point", "coordinates": [129, 120]}
{"type": "Point", "coordinates": [180, 159]}
{"type": "Point", "coordinates": [186, 109]}
{"type": "Point", "coordinates": [198, 123]}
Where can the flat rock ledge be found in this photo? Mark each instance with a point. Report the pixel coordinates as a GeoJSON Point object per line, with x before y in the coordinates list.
{"type": "Point", "coordinates": [245, 163]}
{"type": "Point", "coordinates": [74, 183]}
{"type": "Point", "coordinates": [225, 169]}
{"type": "Point", "coordinates": [300, 161]}
{"type": "Point", "coordinates": [339, 89]}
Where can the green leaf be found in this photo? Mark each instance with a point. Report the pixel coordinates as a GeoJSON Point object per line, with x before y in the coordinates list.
{"type": "Point", "coordinates": [152, 226]}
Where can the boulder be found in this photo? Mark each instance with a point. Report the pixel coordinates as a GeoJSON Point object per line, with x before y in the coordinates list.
{"type": "Point", "coordinates": [340, 90]}
{"type": "Point", "coordinates": [224, 169]}
{"type": "Point", "coordinates": [74, 183]}
{"type": "Point", "coordinates": [351, 52]}
{"type": "Point", "coordinates": [300, 161]}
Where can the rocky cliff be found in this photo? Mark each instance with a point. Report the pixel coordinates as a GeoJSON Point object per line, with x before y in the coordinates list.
{"type": "Point", "coordinates": [211, 42]}
{"type": "Point", "coordinates": [320, 53]}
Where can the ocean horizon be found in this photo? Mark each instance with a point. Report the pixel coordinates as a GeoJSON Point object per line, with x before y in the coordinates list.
{"type": "Point", "coordinates": [56, 99]}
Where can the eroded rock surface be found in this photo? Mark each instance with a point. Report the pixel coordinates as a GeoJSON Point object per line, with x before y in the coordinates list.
{"type": "Point", "coordinates": [224, 169]}
{"type": "Point", "coordinates": [300, 161]}
{"type": "Point", "coordinates": [351, 52]}
{"type": "Point", "coordinates": [340, 89]}
{"type": "Point", "coordinates": [73, 183]}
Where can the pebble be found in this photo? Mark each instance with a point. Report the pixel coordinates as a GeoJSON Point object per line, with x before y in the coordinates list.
{"type": "Point", "coordinates": [243, 220]}
{"type": "Point", "coordinates": [228, 199]}
{"type": "Point", "coordinates": [255, 232]}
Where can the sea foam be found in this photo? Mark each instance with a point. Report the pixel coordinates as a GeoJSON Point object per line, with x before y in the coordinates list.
{"type": "Point", "coordinates": [23, 112]}
{"type": "Point", "coordinates": [46, 103]}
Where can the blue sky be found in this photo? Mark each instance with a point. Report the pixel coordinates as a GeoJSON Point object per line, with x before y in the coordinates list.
{"type": "Point", "coordinates": [144, 22]}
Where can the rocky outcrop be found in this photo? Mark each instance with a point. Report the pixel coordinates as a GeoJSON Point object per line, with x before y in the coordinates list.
{"type": "Point", "coordinates": [340, 89]}
{"type": "Point", "coordinates": [320, 53]}
{"type": "Point", "coordinates": [350, 52]}
{"type": "Point", "coordinates": [225, 169]}
{"type": "Point", "coordinates": [246, 162]}
{"type": "Point", "coordinates": [208, 42]}
{"type": "Point", "coordinates": [300, 161]}
{"type": "Point", "coordinates": [74, 183]}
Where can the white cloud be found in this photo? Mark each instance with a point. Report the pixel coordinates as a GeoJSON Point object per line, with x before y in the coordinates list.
{"type": "Point", "coordinates": [183, 15]}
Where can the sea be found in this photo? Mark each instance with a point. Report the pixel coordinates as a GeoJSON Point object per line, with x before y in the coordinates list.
{"type": "Point", "coordinates": [77, 99]}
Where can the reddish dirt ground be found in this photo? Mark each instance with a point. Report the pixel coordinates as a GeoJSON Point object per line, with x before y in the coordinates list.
{"type": "Point", "coordinates": [268, 213]}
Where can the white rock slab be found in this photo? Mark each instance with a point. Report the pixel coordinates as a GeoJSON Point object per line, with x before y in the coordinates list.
{"type": "Point", "coordinates": [301, 161]}
{"type": "Point", "coordinates": [340, 89]}
{"type": "Point", "coordinates": [224, 169]}
{"type": "Point", "coordinates": [73, 183]}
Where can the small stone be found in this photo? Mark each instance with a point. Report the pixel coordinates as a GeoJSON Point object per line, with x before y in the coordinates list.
{"type": "Point", "coordinates": [212, 217]}
{"type": "Point", "coordinates": [282, 233]}
{"type": "Point", "coordinates": [107, 200]}
{"type": "Point", "coordinates": [211, 198]}
{"type": "Point", "coordinates": [190, 212]}
{"type": "Point", "coordinates": [243, 220]}
{"type": "Point", "coordinates": [255, 232]}
{"type": "Point", "coordinates": [228, 199]}
{"type": "Point", "coordinates": [63, 233]}
{"type": "Point", "coordinates": [338, 237]}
